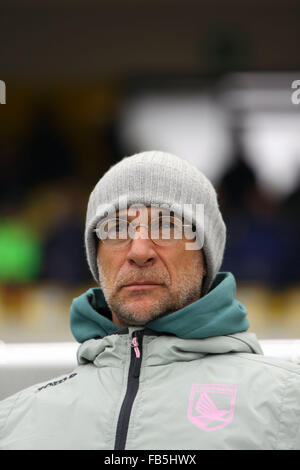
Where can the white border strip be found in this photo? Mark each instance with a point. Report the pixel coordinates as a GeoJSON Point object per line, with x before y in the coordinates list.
{"type": "Point", "coordinates": [64, 354]}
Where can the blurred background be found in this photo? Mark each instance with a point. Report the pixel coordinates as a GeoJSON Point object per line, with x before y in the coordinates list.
{"type": "Point", "coordinates": [88, 82]}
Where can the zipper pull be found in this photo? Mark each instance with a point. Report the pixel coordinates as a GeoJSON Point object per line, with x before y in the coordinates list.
{"type": "Point", "coordinates": [135, 345]}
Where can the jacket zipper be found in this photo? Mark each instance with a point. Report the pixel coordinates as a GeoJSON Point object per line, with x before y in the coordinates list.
{"type": "Point", "coordinates": [131, 391]}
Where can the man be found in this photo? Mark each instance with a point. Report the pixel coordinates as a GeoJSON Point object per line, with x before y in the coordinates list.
{"type": "Point", "coordinates": [166, 361]}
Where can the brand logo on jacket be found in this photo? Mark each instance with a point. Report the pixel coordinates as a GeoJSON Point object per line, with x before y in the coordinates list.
{"type": "Point", "coordinates": [211, 406]}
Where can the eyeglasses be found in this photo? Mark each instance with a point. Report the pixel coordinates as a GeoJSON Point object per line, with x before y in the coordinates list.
{"type": "Point", "coordinates": [163, 231]}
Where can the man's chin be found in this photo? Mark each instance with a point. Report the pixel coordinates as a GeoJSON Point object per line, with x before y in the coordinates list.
{"type": "Point", "coordinates": [137, 310]}
{"type": "Point", "coordinates": [140, 317]}
{"type": "Point", "coordinates": [134, 319]}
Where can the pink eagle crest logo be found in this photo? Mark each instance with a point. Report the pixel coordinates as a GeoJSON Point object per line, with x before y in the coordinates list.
{"type": "Point", "coordinates": [211, 406]}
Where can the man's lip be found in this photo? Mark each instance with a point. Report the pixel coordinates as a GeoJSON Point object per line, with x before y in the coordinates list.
{"type": "Point", "coordinates": [136, 287]}
{"type": "Point", "coordinates": [143, 283]}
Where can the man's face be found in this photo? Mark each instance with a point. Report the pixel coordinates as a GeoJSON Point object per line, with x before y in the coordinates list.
{"type": "Point", "coordinates": [176, 272]}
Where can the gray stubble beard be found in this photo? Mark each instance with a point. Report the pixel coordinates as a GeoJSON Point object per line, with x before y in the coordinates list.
{"type": "Point", "coordinates": [189, 291]}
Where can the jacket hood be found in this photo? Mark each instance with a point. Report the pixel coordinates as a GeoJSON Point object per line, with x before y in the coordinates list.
{"type": "Point", "coordinates": [217, 313]}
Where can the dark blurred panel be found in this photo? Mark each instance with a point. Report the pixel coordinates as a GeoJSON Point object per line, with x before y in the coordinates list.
{"type": "Point", "coordinates": [89, 82]}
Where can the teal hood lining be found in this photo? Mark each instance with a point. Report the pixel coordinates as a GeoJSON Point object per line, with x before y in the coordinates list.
{"type": "Point", "coordinates": [215, 314]}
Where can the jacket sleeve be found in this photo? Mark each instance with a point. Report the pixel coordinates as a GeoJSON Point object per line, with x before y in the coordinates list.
{"type": "Point", "coordinates": [289, 437]}
{"type": "Point", "coordinates": [297, 446]}
{"type": "Point", "coordinates": [296, 405]}
{"type": "Point", "coordinates": [6, 407]}
{"type": "Point", "coordinates": [297, 415]}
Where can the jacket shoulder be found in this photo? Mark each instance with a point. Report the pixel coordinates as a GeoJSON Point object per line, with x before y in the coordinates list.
{"type": "Point", "coordinates": [23, 400]}
{"type": "Point", "coordinates": [284, 377]}
{"type": "Point", "coordinates": [272, 362]}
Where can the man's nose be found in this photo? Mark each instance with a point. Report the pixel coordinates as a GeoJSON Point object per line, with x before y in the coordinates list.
{"type": "Point", "coordinates": [141, 249]}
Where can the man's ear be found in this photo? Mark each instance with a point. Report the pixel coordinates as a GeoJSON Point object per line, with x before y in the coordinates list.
{"type": "Point", "coordinates": [204, 269]}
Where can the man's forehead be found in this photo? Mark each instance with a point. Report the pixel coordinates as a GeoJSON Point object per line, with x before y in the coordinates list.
{"type": "Point", "coordinates": [136, 211]}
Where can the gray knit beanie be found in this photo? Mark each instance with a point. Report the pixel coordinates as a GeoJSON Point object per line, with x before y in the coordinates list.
{"type": "Point", "coordinates": [158, 179]}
